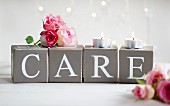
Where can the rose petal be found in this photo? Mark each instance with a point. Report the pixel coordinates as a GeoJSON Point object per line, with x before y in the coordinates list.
{"type": "Point", "coordinates": [150, 91]}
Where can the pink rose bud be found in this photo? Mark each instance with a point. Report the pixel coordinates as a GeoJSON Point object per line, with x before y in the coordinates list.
{"type": "Point", "coordinates": [163, 91]}
{"type": "Point", "coordinates": [137, 92]}
{"type": "Point", "coordinates": [48, 38]}
{"type": "Point", "coordinates": [143, 93]}
{"type": "Point", "coordinates": [53, 22]}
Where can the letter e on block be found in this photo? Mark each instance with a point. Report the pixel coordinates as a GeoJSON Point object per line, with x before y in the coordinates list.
{"type": "Point", "coordinates": [134, 63]}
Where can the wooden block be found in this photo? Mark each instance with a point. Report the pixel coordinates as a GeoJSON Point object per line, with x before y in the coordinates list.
{"type": "Point", "coordinates": [29, 63]}
{"type": "Point", "coordinates": [134, 63]}
{"type": "Point", "coordinates": [100, 64]}
{"type": "Point", "coordinates": [65, 64]}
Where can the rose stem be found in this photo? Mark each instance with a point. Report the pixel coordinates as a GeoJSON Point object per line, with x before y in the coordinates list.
{"type": "Point", "coordinates": [36, 42]}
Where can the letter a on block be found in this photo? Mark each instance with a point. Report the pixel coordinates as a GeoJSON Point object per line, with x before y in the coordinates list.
{"type": "Point", "coordinates": [96, 66]}
{"type": "Point", "coordinates": [68, 67]}
{"type": "Point", "coordinates": [24, 62]}
{"type": "Point", "coordinates": [132, 67]}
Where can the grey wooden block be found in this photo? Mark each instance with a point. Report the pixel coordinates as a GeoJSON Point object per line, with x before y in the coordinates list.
{"type": "Point", "coordinates": [100, 64]}
{"type": "Point", "coordinates": [134, 63]}
{"type": "Point", "coordinates": [65, 64]}
{"type": "Point", "coordinates": [29, 63]}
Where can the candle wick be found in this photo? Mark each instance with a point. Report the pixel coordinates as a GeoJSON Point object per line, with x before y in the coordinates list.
{"type": "Point", "coordinates": [102, 35]}
{"type": "Point", "coordinates": [133, 38]}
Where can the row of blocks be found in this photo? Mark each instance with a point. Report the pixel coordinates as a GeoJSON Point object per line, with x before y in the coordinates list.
{"type": "Point", "coordinates": [32, 63]}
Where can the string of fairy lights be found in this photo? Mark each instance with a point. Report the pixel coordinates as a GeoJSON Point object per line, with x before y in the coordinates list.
{"type": "Point", "coordinates": [104, 4]}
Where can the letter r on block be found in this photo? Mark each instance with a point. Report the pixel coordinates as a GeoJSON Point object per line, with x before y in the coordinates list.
{"type": "Point", "coordinates": [102, 67]}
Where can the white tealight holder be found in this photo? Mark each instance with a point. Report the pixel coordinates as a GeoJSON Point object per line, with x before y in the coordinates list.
{"type": "Point", "coordinates": [101, 42]}
{"type": "Point", "coordinates": [133, 43]}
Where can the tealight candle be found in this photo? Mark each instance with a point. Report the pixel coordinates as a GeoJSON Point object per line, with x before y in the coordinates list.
{"type": "Point", "coordinates": [133, 43]}
{"type": "Point", "coordinates": [101, 42]}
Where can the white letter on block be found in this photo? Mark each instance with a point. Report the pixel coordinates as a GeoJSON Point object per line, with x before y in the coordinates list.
{"type": "Point", "coordinates": [68, 67]}
{"type": "Point", "coordinates": [132, 67]}
{"type": "Point", "coordinates": [24, 62]}
{"type": "Point", "coordinates": [96, 66]}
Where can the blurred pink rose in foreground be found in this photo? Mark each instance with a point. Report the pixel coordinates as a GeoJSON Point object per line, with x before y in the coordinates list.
{"type": "Point", "coordinates": [147, 92]}
{"type": "Point", "coordinates": [53, 22]}
{"type": "Point", "coordinates": [154, 76]}
{"type": "Point", "coordinates": [163, 90]}
{"type": "Point", "coordinates": [67, 36]}
{"type": "Point", "coordinates": [159, 86]}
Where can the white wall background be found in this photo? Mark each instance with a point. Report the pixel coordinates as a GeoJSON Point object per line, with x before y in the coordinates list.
{"type": "Point", "coordinates": [149, 19]}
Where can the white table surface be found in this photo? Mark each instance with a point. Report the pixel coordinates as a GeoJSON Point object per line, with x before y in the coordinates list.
{"type": "Point", "coordinates": [66, 94]}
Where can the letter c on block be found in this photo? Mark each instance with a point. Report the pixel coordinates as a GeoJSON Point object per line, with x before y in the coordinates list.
{"type": "Point", "coordinates": [24, 62]}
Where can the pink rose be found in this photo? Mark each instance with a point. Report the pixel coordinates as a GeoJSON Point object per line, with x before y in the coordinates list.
{"type": "Point", "coordinates": [67, 36]}
{"type": "Point", "coordinates": [143, 93]}
{"type": "Point", "coordinates": [137, 92]}
{"type": "Point", "coordinates": [53, 22]}
{"type": "Point", "coordinates": [153, 77]}
{"type": "Point", "coordinates": [48, 38]}
{"type": "Point", "coordinates": [163, 90]}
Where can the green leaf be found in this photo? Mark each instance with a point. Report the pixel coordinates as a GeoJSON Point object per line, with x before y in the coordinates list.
{"type": "Point", "coordinates": [140, 81]}
{"type": "Point", "coordinates": [29, 39]}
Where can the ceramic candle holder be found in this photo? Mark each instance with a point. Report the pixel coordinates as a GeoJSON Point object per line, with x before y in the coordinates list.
{"type": "Point", "coordinates": [102, 43]}
{"type": "Point", "coordinates": [133, 43]}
